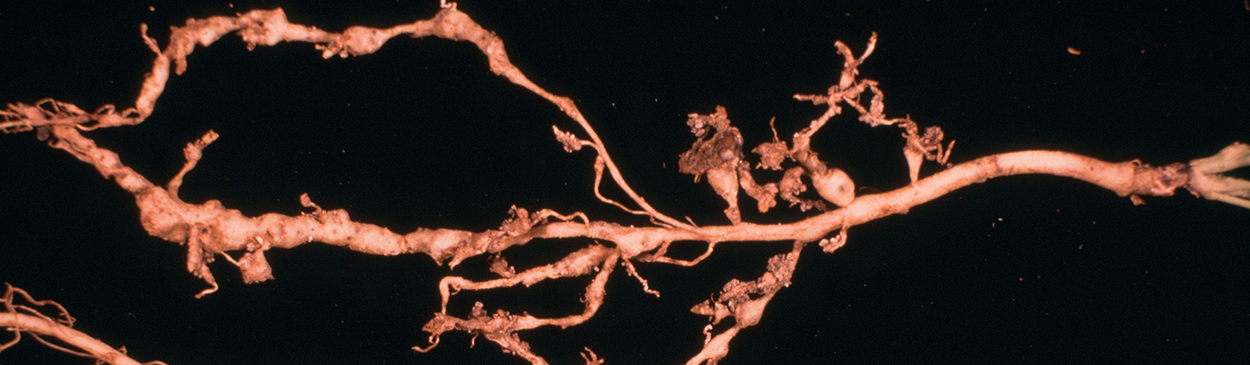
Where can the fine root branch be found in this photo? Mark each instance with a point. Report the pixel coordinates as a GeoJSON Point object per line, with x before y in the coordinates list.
{"type": "Point", "coordinates": [20, 313]}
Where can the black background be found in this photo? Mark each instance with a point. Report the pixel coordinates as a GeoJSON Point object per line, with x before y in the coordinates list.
{"type": "Point", "coordinates": [421, 134]}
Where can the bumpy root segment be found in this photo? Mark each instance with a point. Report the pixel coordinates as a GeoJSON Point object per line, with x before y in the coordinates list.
{"type": "Point", "coordinates": [210, 229]}
{"type": "Point", "coordinates": [716, 154]}
{"type": "Point", "coordinates": [502, 326]}
{"type": "Point", "coordinates": [744, 302]}
{"type": "Point", "coordinates": [849, 90]}
{"type": "Point", "coordinates": [578, 263]}
{"type": "Point", "coordinates": [270, 27]}
{"type": "Point", "coordinates": [717, 150]}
